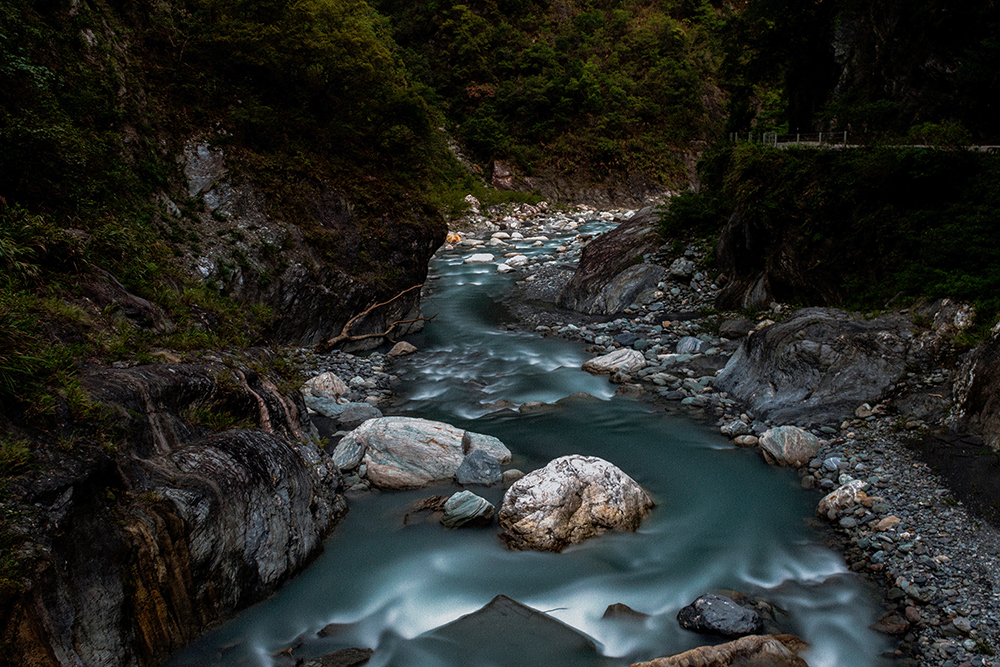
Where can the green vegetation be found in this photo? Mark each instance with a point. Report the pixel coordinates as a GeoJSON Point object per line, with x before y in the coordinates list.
{"type": "Point", "coordinates": [15, 455]}
{"type": "Point", "coordinates": [97, 98]}
{"type": "Point", "coordinates": [94, 104]}
{"type": "Point", "coordinates": [216, 418]}
{"type": "Point", "coordinates": [879, 226]}
{"type": "Point", "coordinates": [876, 69]}
{"type": "Point", "coordinates": [601, 87]}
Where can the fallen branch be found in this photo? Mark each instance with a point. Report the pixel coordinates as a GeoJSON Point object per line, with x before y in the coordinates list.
{"type": "Point", "coordinates": [345, 335]}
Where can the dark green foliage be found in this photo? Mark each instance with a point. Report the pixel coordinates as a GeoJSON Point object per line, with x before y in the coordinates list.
{"type": "Point", "coordinates": [881, 226]}
{"type": "Point", "coordinates": [94, 104]}
{"type": "Point", "coordinates": [603, 88]}
{"type": "Point", "coordinates": [692, 214]}
{"type": "Point", "coordinates": [305, 74]}
{"type": "Point", "coordinates": [873, 68]}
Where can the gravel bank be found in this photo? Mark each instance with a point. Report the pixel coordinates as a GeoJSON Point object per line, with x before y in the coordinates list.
{"type": "Point", "coordinates": [935, 561]}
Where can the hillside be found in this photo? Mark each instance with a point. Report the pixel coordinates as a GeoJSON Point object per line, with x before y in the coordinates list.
{"type": "Point", "coordinates": [590, 92]}
{"type": "Point", "coordinates": [212, 159]}
{"type": "Point", "coordinates": [186, 186]}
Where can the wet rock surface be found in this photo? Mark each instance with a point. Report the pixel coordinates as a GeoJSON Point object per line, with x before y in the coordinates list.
{"type": "Point", "coordinates": [570, 500]}
{"type": "Point", "coordinates": [912, 530]}
{"type": "Point", "coordinates": [716, 614]}
{"type": "Point", "coordinates": [467, 509]}
{"type": "Point", "coordinates": [535, 636]}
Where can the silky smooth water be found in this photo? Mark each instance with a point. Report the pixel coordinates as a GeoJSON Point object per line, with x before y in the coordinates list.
{"type": "Point", "coordinates": [723, 520]}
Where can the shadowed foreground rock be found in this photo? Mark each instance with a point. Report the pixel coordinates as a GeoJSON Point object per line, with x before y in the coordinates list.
{"type": "Point", "coordinates": [568, 501]}
{"type": "Point", "coordinates": [143, 545]}
{"type": "Point", "coordinates": [504, 633]}
{"type": "Point", "coordinates": [750, 651]}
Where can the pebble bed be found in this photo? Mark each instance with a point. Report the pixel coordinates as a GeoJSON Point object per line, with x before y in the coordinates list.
{"type": "Point", "coordinates": [936, 563]}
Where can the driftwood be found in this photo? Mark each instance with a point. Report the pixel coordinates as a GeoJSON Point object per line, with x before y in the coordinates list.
{"type": "Point", "coordinates": [749, 651]}
{"type": "Point", "coordinates": [345, 335]}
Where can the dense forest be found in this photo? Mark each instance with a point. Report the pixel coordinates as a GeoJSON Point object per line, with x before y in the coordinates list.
{"type": "Point", "coordinates": [97, 98]}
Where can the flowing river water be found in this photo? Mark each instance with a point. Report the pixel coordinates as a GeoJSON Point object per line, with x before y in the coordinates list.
{"type": "Point", "coordinates": [723, 520]}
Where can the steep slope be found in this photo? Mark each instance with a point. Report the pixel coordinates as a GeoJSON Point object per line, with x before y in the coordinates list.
{"type": "Point", "coordinates": [579, 98]}
{"type": "Point", "coordinates": [184, 182]}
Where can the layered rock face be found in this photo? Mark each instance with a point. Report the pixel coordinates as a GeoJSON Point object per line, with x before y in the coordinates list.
{"type": "Point", "coordinates": [611, 273]}
{"type": "Point", "coordinates": [171, 527]}
{"type": "Point", "coordinates": [977, 394]}
{"type": "Point", "coordinates": [818, 365]}
{"type": "Point", "coordinates": [260, 257]}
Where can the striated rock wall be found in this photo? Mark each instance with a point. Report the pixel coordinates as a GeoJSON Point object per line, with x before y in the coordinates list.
{"type": "Point", "coordinates": [818, 365]}
{"type": "Point", "coordinates": [316, 266]}
{"type": "Point", "coordinates": [977, 393]}
{"type": "Point", "coordinates": [611, 272]}
{"type": "Point", "coordinates": [168, 526]}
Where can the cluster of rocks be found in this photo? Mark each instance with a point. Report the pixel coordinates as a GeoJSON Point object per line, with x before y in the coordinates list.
{"type": "Point", "coordinates": [361, 378]}
{"type": "Point", "coordinates": [374, 452]}
{"type": "Point", "coordinates": [875, 384]}
{"type": "Point", "coordinates": [898, 523]}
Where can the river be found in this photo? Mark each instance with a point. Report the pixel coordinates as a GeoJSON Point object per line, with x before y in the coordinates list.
{"type": "Point", "coordinates": [723, 520]}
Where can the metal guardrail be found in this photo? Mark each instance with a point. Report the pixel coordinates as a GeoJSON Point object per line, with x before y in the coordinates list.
{"type": "Point", "coordinates": [832, 140]}
{"type": "Point", "coordinates": [803, 138]}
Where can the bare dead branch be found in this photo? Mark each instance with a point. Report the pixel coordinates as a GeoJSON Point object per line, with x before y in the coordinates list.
{"type": "Point", "coordinates": [345, 335]}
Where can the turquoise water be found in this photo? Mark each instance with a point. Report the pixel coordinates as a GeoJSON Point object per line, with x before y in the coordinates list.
{"type": "Point", "coordinates": [723, 520]}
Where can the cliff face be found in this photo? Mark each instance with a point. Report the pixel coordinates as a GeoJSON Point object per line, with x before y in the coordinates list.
{"type": "Point", "coordinates": [314, 265]}
{"type": "Point", "coordinates": [180, 178]}
{"type": "Point", "coordinates": [137, 547]}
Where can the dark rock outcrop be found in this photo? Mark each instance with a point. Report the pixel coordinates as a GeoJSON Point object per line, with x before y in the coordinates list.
{"type": "Point", "coordinates": [715, 614]}
{"type": "Point", "coordinates": [818, 365]}
{"type": "Point", "coordinates": [199, 491]}
{"type": "Point", "coordinates": [977, 394]}
{"type": "Point", "coordinates": [611, 273]}
{"type": "Point", "coordinates": [506, 632]}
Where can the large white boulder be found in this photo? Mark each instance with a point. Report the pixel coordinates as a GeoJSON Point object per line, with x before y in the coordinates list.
{"type": "Point", "coordinates": [569, 500]}
{"type": "Point", "coordinates": [405, 452]}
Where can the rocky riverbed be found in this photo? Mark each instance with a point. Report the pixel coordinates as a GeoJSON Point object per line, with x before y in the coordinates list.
{"type": "Point", "coordinates": [907, 532]}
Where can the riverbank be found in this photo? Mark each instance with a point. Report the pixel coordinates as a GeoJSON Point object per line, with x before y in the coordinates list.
{"type": "Point", "coordinates": [934, 561]}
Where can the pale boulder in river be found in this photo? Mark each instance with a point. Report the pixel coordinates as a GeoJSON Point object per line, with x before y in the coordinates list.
{"type": "Point", "coordinates": [406, 453]}
{"type": "Point", "coordinates": [623, 359]}
{"type": "Point", "coordinates": [568, 501]}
